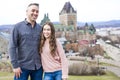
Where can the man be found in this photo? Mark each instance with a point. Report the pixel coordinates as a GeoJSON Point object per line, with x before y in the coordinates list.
{"type": "Point", "coordinates": [24, 45]}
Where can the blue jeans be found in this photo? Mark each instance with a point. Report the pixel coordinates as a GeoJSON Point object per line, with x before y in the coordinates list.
{"type": "Point", "coordinates": [34, 74]}
{"type": "Point", "coordinates": [57, 75]}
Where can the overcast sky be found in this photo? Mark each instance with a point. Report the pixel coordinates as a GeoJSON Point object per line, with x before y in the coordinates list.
{"type": "Point", "coordinates": [13, 11]}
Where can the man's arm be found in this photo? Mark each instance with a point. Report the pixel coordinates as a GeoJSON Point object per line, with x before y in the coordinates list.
{"type": "Point", "coordinates": [13, 45]}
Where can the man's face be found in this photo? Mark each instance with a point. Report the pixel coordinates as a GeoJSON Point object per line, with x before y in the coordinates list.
{"type": "Point", "coordinates": [32, 13]}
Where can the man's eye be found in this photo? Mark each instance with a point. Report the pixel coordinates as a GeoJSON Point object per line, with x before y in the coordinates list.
{"type": "Point", "coordinates": [37, 11]}
{"type": "Point", "coordinates": [33, 10]}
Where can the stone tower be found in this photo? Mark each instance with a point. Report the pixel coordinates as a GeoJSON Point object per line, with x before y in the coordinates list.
{"type": "Point", "coordinates": [68, 16]}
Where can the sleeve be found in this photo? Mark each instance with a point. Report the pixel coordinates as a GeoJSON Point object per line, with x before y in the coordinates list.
{"type": "Point", "coordinates": [64, 61]}
{"type": "Point", "coordinates": [13, 46]}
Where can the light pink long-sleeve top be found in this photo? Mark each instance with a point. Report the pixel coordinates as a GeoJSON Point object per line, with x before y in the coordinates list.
{"type": "Point", "coordinates": [59, 62]}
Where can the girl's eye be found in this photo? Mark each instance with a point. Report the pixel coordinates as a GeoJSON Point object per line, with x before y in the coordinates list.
{"type": "Point", "coordinates": [48, 29]}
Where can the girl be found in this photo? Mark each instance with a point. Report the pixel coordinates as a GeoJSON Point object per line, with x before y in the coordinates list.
{"type": "Point", "coordinates": [54, 61]}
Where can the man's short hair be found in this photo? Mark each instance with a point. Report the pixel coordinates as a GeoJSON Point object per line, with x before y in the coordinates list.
{"type": "Point", "coordinates": [33, 4]}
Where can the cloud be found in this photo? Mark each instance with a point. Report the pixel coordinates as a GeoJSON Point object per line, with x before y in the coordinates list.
{"type": "Point", "coordinates": [13, 11]}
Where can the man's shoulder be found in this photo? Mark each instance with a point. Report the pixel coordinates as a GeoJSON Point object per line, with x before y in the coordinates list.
{"type": "Point", "coordinates": [21, 22]}
{"type": "Point", "coordinates": [39, 26]}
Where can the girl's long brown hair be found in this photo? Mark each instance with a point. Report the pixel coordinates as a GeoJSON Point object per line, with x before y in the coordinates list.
{"type": "Point", "coordinates": [52, 41]}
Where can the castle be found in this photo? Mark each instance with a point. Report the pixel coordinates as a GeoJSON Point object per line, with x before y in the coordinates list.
{"type": "Point", "coordinates": [68, 16]}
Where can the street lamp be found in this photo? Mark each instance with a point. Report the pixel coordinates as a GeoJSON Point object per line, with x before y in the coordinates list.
{"type": "Point", "coordinates": [98, 64]}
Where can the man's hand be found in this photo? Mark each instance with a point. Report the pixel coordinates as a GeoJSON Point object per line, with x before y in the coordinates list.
{"type": "Point", "coordinates": [17, 72]}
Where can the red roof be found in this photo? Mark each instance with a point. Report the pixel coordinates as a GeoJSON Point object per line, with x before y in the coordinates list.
{"type": "Point", "coordinates": [82, 42]}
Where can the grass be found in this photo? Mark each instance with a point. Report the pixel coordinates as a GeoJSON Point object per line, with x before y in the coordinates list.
{"type": "Point", "coordinates": [6, 76]}
{"type": "Point", "coordinates": [108, 76]}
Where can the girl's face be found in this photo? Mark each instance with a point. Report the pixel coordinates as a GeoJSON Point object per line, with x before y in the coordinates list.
{"type": "Point", "coordinates": [46, 31]}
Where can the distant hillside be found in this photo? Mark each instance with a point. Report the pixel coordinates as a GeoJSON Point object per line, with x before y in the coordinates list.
{"type": "Point", "coordinates": [5, 26]}
{"type": "Point", "coordinates": [102, 24]}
